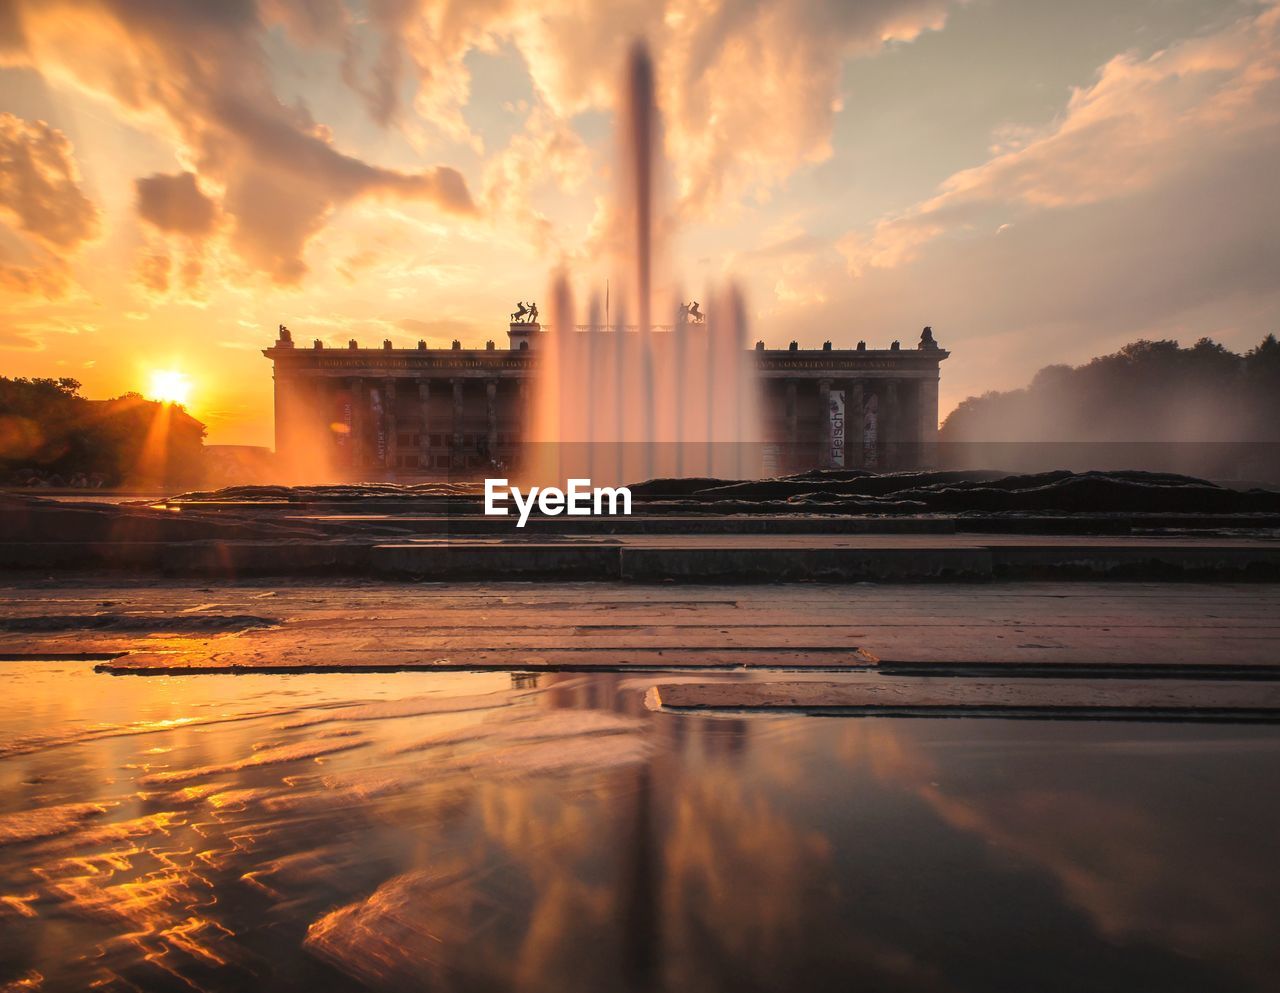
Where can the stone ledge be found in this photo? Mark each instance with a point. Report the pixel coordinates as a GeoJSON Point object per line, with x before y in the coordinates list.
{"type": "Point", "coordinates": [747, 564]}
{"type": "Point", "coordinates": [221, 559]}
{"type": "Point", "coordinates": [731, 559]}
{"type": "Point", "coordinates": [1152, 699]}
{"type": "Point", "coordinates": [1145, 561]}
{"type": "Point", "coordinates": [497, 561]}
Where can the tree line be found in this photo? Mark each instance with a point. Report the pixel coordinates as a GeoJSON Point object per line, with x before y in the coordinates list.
{"type": "Point", "coordinates": [1146, 391]}
{"type": "Point", "coordinates": [51, 435]}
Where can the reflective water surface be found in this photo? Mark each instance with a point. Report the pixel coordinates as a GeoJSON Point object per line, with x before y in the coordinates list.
{"type": "Point", "coordinates": [488, 831]}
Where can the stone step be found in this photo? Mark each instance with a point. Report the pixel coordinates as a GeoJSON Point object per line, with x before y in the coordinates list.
{"type": "Point", "coordinates": [993, 631]}
{"type": "Point", "coordinates": [762, 564]}
{"type": "Point", "coordinates": [747, 560]}
{"type": "Point", "coordinates": [505, 527]}
{"type": "Point", "coordinates": [1126, 699]}
{"type": "Point", "coordinates": [694, 559]}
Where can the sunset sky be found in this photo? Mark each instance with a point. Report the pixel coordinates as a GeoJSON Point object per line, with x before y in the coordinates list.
{"type": "Point", "coordinates": [1040, 181]}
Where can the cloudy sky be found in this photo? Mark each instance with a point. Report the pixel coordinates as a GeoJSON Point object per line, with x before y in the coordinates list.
{"type": "Point", "coordinates": [1040, 181]}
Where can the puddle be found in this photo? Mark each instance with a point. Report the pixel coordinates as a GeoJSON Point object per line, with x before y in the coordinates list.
{"type": "Point", "coordinates": [480, 831]}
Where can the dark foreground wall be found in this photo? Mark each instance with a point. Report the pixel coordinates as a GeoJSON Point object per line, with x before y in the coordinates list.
{"type": "Point", "coordinates": [1241, 461]}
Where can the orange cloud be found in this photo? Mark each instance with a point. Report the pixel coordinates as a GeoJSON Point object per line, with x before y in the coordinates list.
{"type": "Point", "coordinates": [546, 151]}
{"type": "Point", "coordinates": [40, 195]}
{"type": "Point", "coordinates": [750, 88]}
{"type": "Point", "coordinates": [39, 184]}
{"type": "Point", "coordinates": [153, 272]}
{"type": "Point", "coordinates": [743, 110]}
{"type": "Point", "coordinates": [280, 171]}
{"type": "Point", "coordinates": [176, 204]}
{"type": "Point", "coordinates": [1142, 124]}
{"type": "Point", "coordinates": [746, 106]}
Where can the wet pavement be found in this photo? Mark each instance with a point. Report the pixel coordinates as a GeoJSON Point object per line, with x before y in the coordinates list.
{"type": "Point", "coordinates": [549, 831]}
{"type": "Point", "coordinates": [1223, 630]}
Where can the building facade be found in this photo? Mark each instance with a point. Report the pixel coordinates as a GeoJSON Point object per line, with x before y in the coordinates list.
{"type": "Point", "coordinates": [404, 414]}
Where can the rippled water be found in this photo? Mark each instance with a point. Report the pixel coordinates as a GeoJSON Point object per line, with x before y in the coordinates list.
{"type": "Point", "coordinates": [487, 831]}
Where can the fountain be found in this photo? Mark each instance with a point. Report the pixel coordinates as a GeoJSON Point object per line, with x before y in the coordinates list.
{"type": "Point", "coordinates": [618, 402]}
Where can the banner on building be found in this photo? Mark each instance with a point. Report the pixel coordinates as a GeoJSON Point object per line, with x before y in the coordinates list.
{"type": "Point", "coordinates": [379, 424]}
{"type": "Point", "coordinates": [835, 404]}
{"type": "Point", "coordinates": [341, 426]}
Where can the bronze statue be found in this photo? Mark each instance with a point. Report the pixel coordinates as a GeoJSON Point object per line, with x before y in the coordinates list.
{"type": "Point", "coordinates": [691, 313]}
{"type": "Point", "coordinates": [533, 313]}
{"type": "Point", "coordinates": [926, 339]}
{"type": "Point", "coordinates": [519, 316]}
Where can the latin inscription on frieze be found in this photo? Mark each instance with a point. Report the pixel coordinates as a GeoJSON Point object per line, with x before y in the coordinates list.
{"type": "Point", "coordinates": [382, 363]}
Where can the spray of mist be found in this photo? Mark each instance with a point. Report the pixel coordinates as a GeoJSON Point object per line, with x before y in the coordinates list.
{"type": "Point", "coordinates": [616, 401]}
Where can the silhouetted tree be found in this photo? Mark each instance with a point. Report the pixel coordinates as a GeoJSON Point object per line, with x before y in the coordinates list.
{"type": "Point", "coordinates": [50, 433]}
{"type": "Point", "coordinates": [1147, 391]}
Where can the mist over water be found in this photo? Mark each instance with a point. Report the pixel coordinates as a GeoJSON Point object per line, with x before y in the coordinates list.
{"type": "Point", "coordinates": [621, 398]}
{"type": "Point", "coordinates": [1202, 410]}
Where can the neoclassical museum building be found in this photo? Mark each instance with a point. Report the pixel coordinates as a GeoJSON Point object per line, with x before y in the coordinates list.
{"type": "Point", "coordinates": [405, 414]}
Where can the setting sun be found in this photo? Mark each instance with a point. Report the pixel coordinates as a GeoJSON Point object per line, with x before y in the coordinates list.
{"type": "Point", "coordinates": [169, 386]}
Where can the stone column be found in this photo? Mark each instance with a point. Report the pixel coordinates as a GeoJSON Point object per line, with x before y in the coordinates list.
{"type": "Point", "coordinates": [359, 423]}
{"type": "Point", "coordinates": [458, 459]}
{"type": "Point", "coordinates": [890, 422]}
{"type": "Point", "coordinates": [318, 408]}
{"type": "Point", "coordinates": [424, 423]}
{"type": "Point", "coordinates": [282, 386]}
{"type": "Point", "coordinates": [491, 414]}
{"type": "Point", "coordinates": [524, 418]}
{"type": "Point", "coordinates": [928, 408]}
{"type": "Point", "coordinates": [297, 424]}
{"type": "Point", "coordinates": [872, 397]}
{"type": "Point", "coordinates": [393, 436]}
{"type": "Point", "coordinates": [824, 423]}
{"type": "Point", "coordinates": [853, 414]}
{"type": "Point", "coordinates": [792, 432]}
{"type": "Point", "coordinates": [909, 424]}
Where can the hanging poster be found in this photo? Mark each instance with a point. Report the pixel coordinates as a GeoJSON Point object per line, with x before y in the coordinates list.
{"type": "Point", "coordinates": [379, 424]}
{"type": "Point", "coordinates": [343, 420]}
{"type": "Point", "coordinates": [835, 404]}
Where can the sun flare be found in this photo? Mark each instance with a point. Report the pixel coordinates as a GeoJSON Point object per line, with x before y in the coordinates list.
{"type": "Point", "coordinates": [169, 386]}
